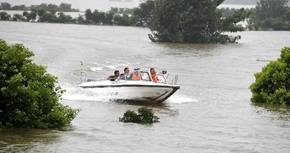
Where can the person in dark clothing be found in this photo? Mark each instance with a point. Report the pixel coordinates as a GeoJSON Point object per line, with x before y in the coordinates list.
{"type": "Point", "coordinates": [126, 73]}
{"type": "Point", "coordinates": [115, 76]}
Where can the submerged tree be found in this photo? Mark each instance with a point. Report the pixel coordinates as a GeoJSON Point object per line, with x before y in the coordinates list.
{"type": "Point", "coordinates": [5, 6]}
{"type": "Point", "coordinates": [272, 85]}
{"type": "Point", "coordinates": [193, 21]}
{"type": "Point", "coordinates": [145, 116]}
{"type": "Point", "coordinates": [271, 14]}
{"type": "Point", "coordinates": [142, 15]}
{"type": "Point", "coordinates": [28, 95]}
{"type": "Point", "coordinates": [4, 16]}
{"type": "Point", "coordinates": [123, 20]}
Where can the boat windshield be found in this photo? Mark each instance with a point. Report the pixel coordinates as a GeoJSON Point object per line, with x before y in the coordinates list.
{"type": "Point", "coordinates": [137, 75]}
{"type": "Point", "coordinates": [145, 76]}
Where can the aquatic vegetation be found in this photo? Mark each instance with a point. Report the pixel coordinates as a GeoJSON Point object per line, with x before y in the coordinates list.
{"type": "Point", "coordinates": [29, 97]}
{"type": "Point", "coordinates": [145, 116]}
{"type": "Point", "coordinates": [272, 85]}
{"type": "Point", "coordinates": [194, 22]}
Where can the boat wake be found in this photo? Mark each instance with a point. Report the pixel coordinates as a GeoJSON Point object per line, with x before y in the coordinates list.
{"type": "Point", "coordinates": [180, 99]}
{"type": "Point", "coordinates": [81, 94]}
{"type": "Point", "coordinates": [100, 67]}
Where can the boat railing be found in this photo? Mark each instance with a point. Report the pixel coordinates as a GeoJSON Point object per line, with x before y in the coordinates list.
{"type": "Point", "coordinates": [174, 80]}
{"type": "Point", "coordinates": [163, 78]}
{"type": "Point", "coordinates": [84, 76]}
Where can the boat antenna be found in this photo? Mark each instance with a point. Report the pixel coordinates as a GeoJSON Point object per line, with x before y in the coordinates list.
{"type": "Point", "coordinates": [82, 72]}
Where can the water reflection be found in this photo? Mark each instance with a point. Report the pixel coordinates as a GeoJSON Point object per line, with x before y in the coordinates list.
{"type": "Point", "coordinates": [275, 108]}
{"type": "Point", "coordinates": [22, 140]}
{"type": "Point", "coordinates": [280, 115]}
{"type": "Point", "coordinates": [184, 46]}
{"type": "Point", "coordinates": [159, 108]}
{"type": "Point", "coordinates": [190, 50]}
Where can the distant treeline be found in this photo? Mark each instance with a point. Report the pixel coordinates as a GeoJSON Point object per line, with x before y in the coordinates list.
{"type": "Point", "coordinates": [229, 11]}
{"type": "Point", "coordinates": [139, 16]}
{"type": "Point", "coordinates": [62, 7]}
{"type": "Point", "coordinates": [273, 16]}
{"type": "Point", "coordinates": [243, 2]}
{"type": "Point", "coordinates": [89, 17]}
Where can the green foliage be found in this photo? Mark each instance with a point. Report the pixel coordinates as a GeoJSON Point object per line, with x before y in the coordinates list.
{"type": "Point", "coordinates": [47, 13]}
{"type": "Point", "coordinates": [4, 16]}
{"type": "Point", "coordinates": [18, 17]}
{"type": "Point", "coordinates": [18, 7]}
{"type": "Point", "coordinates": [270, 14]}
{"type": "Point", "coordinates": [65, 7]}
{"type": "Point", "coordinates": [183, 21]}
{"type": "Point", "coordinates": [226, 12]}
{"type": "Point", "coordinates": [5, 6]}
{"type": "Point", "coordinates": [173, 21]}
{"type": "Point", "coordinates": [270, 8]}
{"type": "Point", "coordinates": [80, 19]}
{"type": "Point", "coordinates": [109, 16]}
{"type": "Point", "coordinates": [62, 18]}
{"type": "Point", "coordinates": [98, 17]}
{"type": "Point", "coordinates": [88, 15]}
{"type": "Point", "coordinates": [142, 15]}
{"type": "Point", "coordinates": [145, 116]}
{"type": "Point", "coordinates": [48, 17]}
{"type": "Point", "coordinates": [62, 7]}
{"type": "Point", "coordinates": [124, 20]}
{"type": "Point", "coordinates": [30, 16]}
{"type": "Point", "coordinates": [28, 95]}
{"type": "Point", "coordinates": [272, 85]}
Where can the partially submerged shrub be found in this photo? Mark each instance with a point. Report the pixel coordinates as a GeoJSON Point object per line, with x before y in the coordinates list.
{"type": "Point", "coordinates": [272, 85]}
{"type": "Point", "coordinates": [28, 95]}
{"type": "Point", "coordinates": [145, 116]}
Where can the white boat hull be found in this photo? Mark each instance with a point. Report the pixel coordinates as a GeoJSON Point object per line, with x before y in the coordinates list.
{"type": "Point", "coordinates": [132, 90]}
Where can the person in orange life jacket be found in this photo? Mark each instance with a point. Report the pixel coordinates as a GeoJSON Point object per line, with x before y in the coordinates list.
{"type": "Point", "coordinates": [153, 75]}
{"type": "Point", "coordinates": [135, 75]}
{"type": "Point", "coordinates": [115, 76]}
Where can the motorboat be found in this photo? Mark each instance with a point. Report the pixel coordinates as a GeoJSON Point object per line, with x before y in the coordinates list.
{"type": "Point", "coordinates": [127, 88]}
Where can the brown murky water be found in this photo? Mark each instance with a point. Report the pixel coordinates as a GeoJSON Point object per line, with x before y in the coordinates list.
{"type": "Point", "coordinates": [212, 111]}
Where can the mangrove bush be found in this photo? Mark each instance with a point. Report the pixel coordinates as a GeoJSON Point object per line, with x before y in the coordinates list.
{"type": "Point", "coordinates": [272, 85]}
{"type": "Point", "coordinates": [145, 115]}
{"type": "Point", "coordinates": [29, 97]}
{"type": "Point", "coordinates": [193, 21]}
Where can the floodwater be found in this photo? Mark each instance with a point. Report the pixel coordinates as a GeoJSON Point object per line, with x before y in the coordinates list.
{"type": "Point", "coordinates": [212, 111]}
